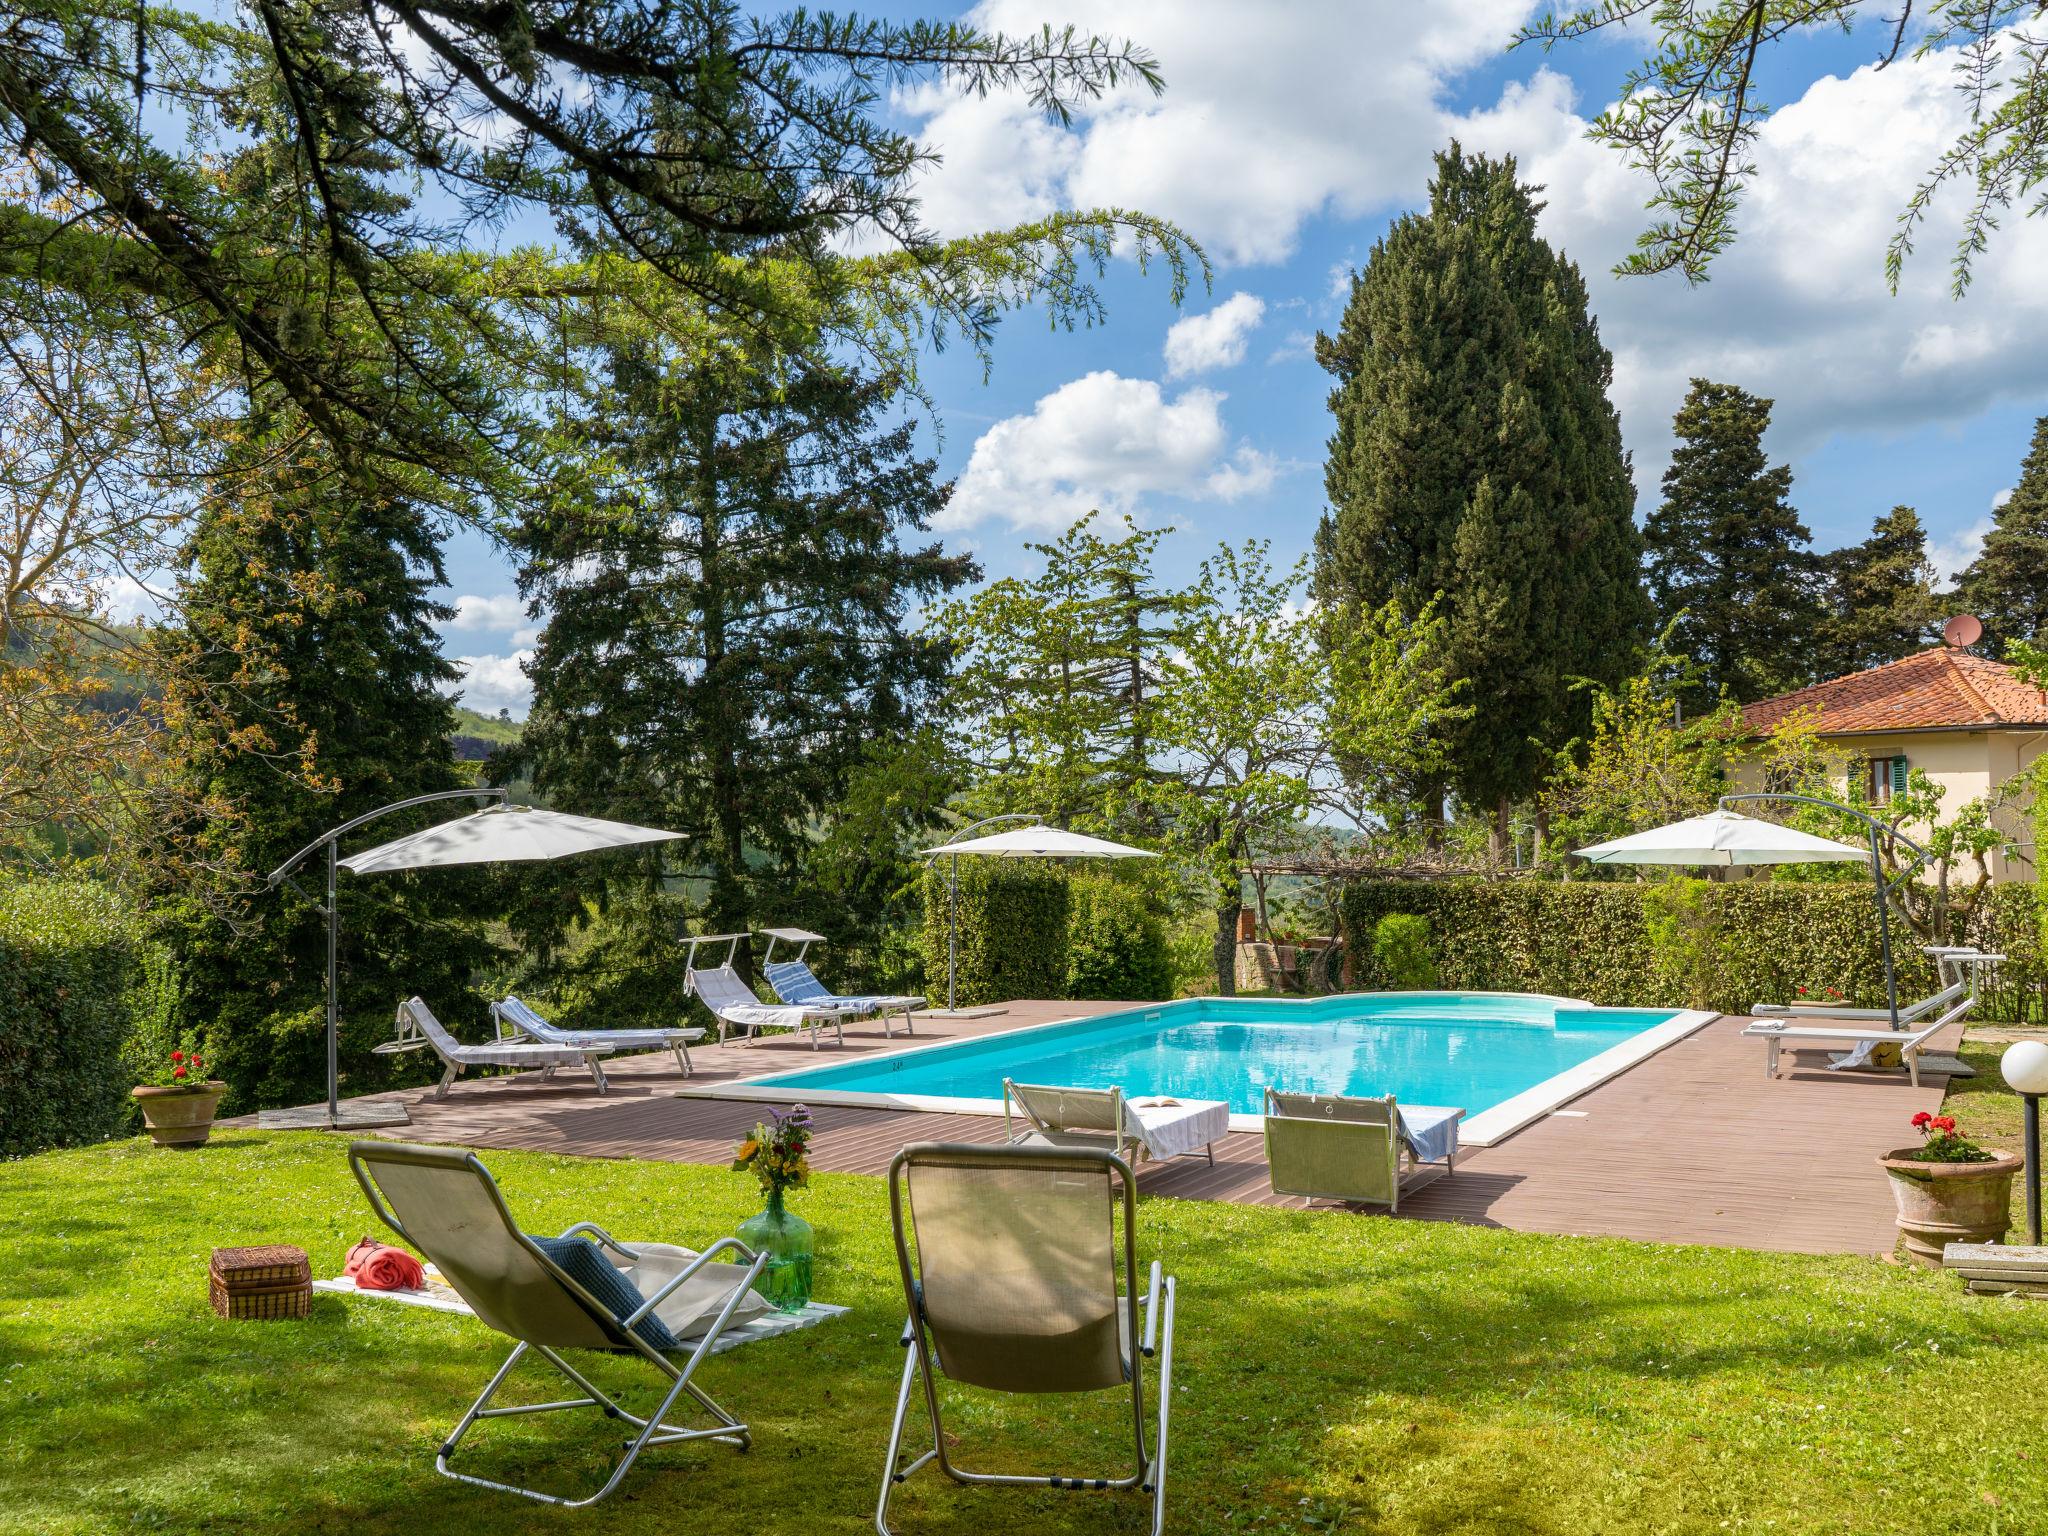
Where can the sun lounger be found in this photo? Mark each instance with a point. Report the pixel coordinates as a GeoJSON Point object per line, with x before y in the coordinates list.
{"type": "Point", "coordinates": [796, 985]}
{"type": "Point", "coordinates": [554, 1294]}
{"type": "Point", "coordinates": [1155, 1126]}
{"type": "Point", "coordinates": [419, 1029]}
{"type": "Point", "coordinates": [1357, 1150]}
{"type": "Point", "coordinates": [517, 1021]}
{"type": "Point", "coordinates": [738, 1011]}
{"type": "Point", "coordinates": [1870, 1045]}
{"type": "Point", "coordinates": [1020, 1273]}
{"type": "Point", "coordinates": [1954, 964]}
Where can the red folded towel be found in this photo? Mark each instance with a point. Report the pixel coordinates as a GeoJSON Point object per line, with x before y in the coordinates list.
{"type": "Point", "coordinates": [375, 1266]}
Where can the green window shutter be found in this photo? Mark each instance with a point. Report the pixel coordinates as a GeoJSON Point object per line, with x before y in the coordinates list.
{"type": "Point", "coordinates": [1898, 775]}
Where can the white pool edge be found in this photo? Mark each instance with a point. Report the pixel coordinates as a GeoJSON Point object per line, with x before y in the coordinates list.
{"type": "Point", "coordinates": [1481, 1130]}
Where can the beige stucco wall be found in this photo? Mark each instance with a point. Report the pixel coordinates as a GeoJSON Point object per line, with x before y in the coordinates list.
{"type": "Point", "coordinates": [1966, 764]}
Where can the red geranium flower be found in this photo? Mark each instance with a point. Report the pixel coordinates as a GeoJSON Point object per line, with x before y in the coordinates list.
{"type": "Point", "coordinates": [177, 1071]}
{"type": "Point", "coordinates": [1922, 1120]}
{"type": "Point", "coordinates": [1944, 1122]}
{"type": "Point", "coordinates": [177, 1055]}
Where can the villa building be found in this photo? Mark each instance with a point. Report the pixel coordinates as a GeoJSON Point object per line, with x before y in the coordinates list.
{"type": "Point", "coordinates": [1970, 723]}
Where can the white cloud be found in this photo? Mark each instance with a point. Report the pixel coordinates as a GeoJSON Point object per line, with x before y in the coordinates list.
{"type": "Point", "coordinates": [488, 613]}
{"type": "Point", "coordinates": [1270, 117]}
{"type": "Point", "coordinates": [130, 601]}
{"type": "Point", "coordinates": [491, 683]}
{"type": "Point", "coordinates": [1953, 555]}
{"type": "Point", "coordinates": [1797, 309]}
{"type": "Point", "coordinates": [1104, 441]}
{"type": "Point", "coordinates": [1200, 343]}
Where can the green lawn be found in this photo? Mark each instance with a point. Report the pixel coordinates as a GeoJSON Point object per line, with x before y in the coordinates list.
{"type": "Point", "coordinates": [1336, 1372]}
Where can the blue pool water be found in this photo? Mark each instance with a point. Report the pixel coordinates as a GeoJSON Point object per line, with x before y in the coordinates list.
{"type": "Point", "coordinates": [1468, 1050]}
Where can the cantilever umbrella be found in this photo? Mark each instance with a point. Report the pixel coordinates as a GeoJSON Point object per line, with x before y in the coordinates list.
{"type": "Point", "coordinates": [1723, 838]}
{"type": "Point", "coordinates": [500, 833]}
{"type": "Point", "coordinates": [1019, 843]}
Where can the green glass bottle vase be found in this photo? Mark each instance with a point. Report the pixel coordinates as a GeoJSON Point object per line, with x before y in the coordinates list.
{"type": "Point", "coordinates": [788, 1241]}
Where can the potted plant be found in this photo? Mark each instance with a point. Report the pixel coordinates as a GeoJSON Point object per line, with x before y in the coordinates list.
{"type": "Point", "coordinates": [776, 1155]}
{"type": "Point", "coordinates": [178, 1103]}
{"type": "Point", "coordinates": [1949, 1189]}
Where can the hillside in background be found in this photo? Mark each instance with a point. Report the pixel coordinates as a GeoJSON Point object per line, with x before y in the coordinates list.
{"type": "Point", "coordinates": [476, 736]}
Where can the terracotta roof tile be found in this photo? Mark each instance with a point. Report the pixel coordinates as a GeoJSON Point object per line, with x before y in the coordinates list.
{"type": "Point", "coordinates": [1939, 689]}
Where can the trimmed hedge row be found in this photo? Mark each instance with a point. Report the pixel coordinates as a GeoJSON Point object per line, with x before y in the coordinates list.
{"type": "Point", "coordinates": [69, 965]}
{"type": "Point", "coordinates": [1010, 931]}
{"type": "Point", "coordinates": [1026, 929]}
{"type": "Point", "coordinates": [1739, 943]}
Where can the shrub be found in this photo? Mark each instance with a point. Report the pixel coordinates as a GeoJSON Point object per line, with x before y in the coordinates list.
{"type": "Point", "coordinates": [1400, 953]}
{"type": "Point", "coordinates": [1679, 922]}
{"type": "Point", "coordinates": [1011, 938]}
{"type": "Point", "coordinates": [1116, 944]}
{"type": "Point", "coordinates": [68, 962]}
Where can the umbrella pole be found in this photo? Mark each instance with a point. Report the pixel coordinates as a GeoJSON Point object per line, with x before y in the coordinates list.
{"type": "Point", "coordinates": [952, 923]}
{"type": "Point", "coordinates": [1884, 930]}
{"type": "Point", "coordinates": [333, 1029]}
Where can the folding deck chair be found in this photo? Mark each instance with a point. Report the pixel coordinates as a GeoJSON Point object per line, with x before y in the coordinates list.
{"type": "Point", "coordinates": [443, 1202]}
{"type": "Point", "coordinates": [418, 1029]}
{"type": "Point", "coordinates": [796, 984]}
{"type": "Point", "coordinates": [733, 1003]}
{"type": "Point", "coordinates": [1019, 1270]}
{"type": "Point", "coordinates": [1331, 1147]}
{"type": "Point", "coordinates": [517, 1021]}
{"type": "Point", "coordinates": [1149, 1126]}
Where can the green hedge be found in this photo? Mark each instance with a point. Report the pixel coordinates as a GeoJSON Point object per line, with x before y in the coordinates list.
{"type": "Point", "coordinates": [1116, 944]}
{"type": "Point", "coordinates": [1012, 931]}
{"type": "Point", "coordinates": [69, 957]}
{"type": "Point", "coordinates": [1750, 942]}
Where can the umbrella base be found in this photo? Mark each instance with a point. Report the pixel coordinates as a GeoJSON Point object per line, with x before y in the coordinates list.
{"type": "Point", "coordinates": [960, 1013]}
{"type": "Point", "coordinates": [354, 1116]}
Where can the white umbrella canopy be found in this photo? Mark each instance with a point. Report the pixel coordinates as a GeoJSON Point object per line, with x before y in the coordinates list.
{"type": "Point", "coordinates": [501, 833]}
{"type": "Point", "coordinates": [1722, 837]}
{"type": "Point", "coordinates": [1043, 843]}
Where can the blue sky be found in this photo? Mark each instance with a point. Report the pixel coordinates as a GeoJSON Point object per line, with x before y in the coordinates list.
{"type": "Point", "coordinates": [1288, 138]}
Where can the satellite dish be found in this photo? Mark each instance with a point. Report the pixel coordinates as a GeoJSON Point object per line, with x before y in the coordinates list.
{"type": "Point", "coordinates": [1962, 630]}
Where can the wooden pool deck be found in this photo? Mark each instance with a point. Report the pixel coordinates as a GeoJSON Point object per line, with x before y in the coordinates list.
{"type": "Point", "coordinates": [1693, 1145]}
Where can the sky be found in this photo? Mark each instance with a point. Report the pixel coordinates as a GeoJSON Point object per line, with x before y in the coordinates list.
{"type": "Point", "coordinates": [1288, 138]}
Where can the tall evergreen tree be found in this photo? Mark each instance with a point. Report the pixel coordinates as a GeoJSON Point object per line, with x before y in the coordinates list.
{"type": "Point", "coordinates": [307, 690]}
{"type": "Point", "coordinates": [727, 618]}
{"type": "Point", "coordinates": [2007, 584]}
{"type": "Point", "coordinates": [1878, 596]}
{"type": "Point", "coordinates": [1476, 455]}
{"type": "Point", "coordinates": [1727, 548]}
{"type": "Point", "coordinates": [1055, 696]}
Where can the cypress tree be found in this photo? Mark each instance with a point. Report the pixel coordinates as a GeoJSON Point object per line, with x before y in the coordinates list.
{"type": "Point", "coordinates": [727, 636]}
{"type": "Point", "coordinates": [307, 688]}
{"type": "Point", "coordinates": [1727, 548]}
{"type": "Point", "coordinates": [2007, 584]}
{"type": "Point", "coordinates": [1476, 455]}
{"type": "Point", "coordinates": [1879, 597]}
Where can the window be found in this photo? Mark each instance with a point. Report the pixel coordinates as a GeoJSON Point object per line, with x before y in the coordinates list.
{"type": "Point", "coordinates": [1887, 778]}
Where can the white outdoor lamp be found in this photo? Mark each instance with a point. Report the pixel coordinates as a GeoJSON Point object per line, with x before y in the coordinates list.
{"type": "Point", "coordinates": [2025, 1069]}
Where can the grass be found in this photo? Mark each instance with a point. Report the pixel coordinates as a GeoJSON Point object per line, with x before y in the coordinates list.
{"type": "Point", "coordinates": [1335, 1373]}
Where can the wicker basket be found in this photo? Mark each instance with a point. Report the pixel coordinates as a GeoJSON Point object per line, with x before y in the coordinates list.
{"type": "Point", "coordinates": [275, 1280]}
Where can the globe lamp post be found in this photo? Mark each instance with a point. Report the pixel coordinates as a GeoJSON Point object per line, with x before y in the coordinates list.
{"type": "Point", "coordinates": [2025, 1069]}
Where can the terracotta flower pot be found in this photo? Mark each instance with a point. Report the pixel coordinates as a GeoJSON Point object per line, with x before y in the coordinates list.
{"type": "Point", "coordinates": [1943, 1203]}
{"type": "Point", "coordinates": [179, 1117]}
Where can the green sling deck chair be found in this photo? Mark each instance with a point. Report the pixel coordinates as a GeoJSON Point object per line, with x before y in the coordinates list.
{"type": "Point", "coordinates": [1012, 1259]}
{"type": "Point", "coordinates": [1330, 1147]}
{"type": "Point", "coordinates": [444, 1203]}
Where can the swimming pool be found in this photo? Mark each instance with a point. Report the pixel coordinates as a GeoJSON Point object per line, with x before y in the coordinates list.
{"type": "Point", "coordinates": [1504, 1058]}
